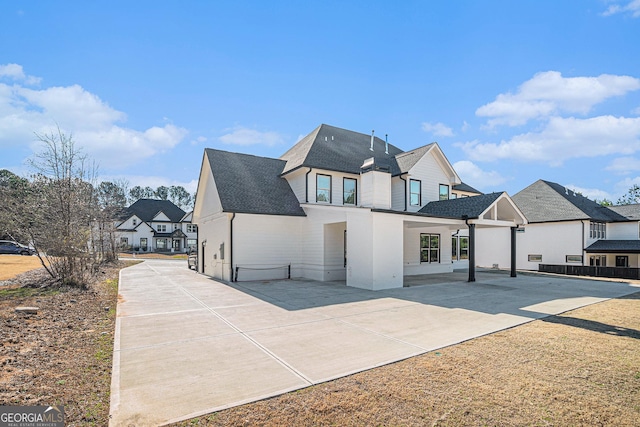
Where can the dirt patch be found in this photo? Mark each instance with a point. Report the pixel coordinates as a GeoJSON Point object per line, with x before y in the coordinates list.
{"type": "Point", "coordinates": [63, 354]}
{"type": "Point", "coordinates": [12, 265]}
{"type": "Point", "coordinates": [581, 368]}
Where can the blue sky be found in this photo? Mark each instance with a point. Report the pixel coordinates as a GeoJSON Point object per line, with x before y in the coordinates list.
{"type": "Point", "coordinates": [513, 91]}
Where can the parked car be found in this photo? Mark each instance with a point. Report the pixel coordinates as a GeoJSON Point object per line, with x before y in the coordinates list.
{"type": "Point", "coordinates": [11, 247]}
{"type": "Point", "coordinates": [192, 259]}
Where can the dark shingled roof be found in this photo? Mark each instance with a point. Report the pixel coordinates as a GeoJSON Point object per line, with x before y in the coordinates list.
{"type": "Point", "coordinates": [472, 207]}
{"type": "Point", "coordinates": [147, 209]}
{"type": "Point", "coordinates": [466, 188]}
{"type": "Point", "coordinates": [545, 201]}
{"type": "Point", "coordinates": [631, 212]}
{"type": "Point", "coordinates": [341, 150]}
{"type": "Point", "coordinates": [408, 159]}
{"type": "Point", "coordinates": [614, 246]}
{"type": "Point", "coordinates": [251, 184]}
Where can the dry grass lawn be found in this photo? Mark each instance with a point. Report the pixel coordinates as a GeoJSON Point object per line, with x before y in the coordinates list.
{"type": "Point", "coordinates": [12, 265]}
{"type": "Point", "coordinates": [581, 368]}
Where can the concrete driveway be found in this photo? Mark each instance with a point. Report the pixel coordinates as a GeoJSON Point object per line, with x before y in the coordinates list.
{"type": "Point", "coordinates": [186, 345]}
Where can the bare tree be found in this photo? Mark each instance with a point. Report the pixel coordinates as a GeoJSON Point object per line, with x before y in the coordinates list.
{"type": "Point", "coordinates": [61, 206]}
{"type": "Point", "coordinates": [110, 200]}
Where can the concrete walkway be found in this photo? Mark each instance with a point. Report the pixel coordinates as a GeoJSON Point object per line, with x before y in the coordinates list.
{"type": "Point", "coordinates": [186, 345]}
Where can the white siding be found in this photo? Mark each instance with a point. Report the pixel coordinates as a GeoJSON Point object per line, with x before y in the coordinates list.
{"type": "Point", "coordinates": [337, 189]}
{"type": "Point", "coordinates": [429, 171]}
{"type": "Point", "coordinates": [376, 190]}
{"type": "Point", "coordinates": [623, 231]}
{"type": "Point", "coordinates": [398, 193]}
{"type": "Point", "coordinates": [214, 238]}
{"type": "Point", "coordinates": [207, 201]}
{"type": "Point", "coordinates": [411, 251]}
{"type": "Point", "coordinates": [297, 182]}
{"type": "Point", "coordinates": [265, 242]}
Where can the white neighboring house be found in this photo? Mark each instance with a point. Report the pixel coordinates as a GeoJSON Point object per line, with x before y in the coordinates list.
{"type": "Point", "coordinates": [151, 225]}
{"type": "Point", "coordinates": [338, 206]}
{"type": "Point", "coordinates": [566, 228]}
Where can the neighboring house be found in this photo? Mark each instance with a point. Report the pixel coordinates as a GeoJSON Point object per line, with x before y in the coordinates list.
{"type": "Point", "coordinates": [151, 225]}
{"type": "Point", "coordinates": [566, 228]}
{"type": "Point", "coordinates": [339, 205]}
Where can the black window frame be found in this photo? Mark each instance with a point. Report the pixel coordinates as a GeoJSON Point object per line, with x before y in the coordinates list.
{"type": "Point", "coordinates": [318, 175]}
{"type": "Point", "coordinates": [411, 181]}
{"type": "Point", "coordinates": [430, 249]}
{"type": "Point", "coordinates": [355, 191]}
{"type": "Point", "coordinates": [440, 187]}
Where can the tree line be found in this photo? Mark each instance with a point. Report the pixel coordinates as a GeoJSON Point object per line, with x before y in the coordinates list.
{"type": "Point", "coordinates": [65, 213]}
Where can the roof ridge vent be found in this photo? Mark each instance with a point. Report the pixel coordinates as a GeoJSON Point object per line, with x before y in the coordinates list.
{"type": "Point", "coordinates": [371, 147]}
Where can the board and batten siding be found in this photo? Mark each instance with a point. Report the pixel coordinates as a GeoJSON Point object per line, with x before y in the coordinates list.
{"type": "Point", "coordinates": [429, 171]}
{"type": "Point", "coordinates": [398, 193]}
{"type": "Point", "coordinates": [265, 245]}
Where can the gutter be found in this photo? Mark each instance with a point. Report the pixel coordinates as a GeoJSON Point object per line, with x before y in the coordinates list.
{"type": "Point", "coordinates": [405, 190]}
{"type": "Point", "coordinates": [231, 245]}
{"type": "Point", "coordinates": [306, 185]}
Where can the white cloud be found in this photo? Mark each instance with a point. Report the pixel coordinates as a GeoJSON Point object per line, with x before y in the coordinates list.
{"type": "Point", "coordinates": [15, 72]}
{"type": "Point", "coordinates": [636, 111]}
{"type": "Point", "coordinates": [632, 7]}
{"type": "Point", "coordinates": [244, 136]}
{"type": "Point", "coordinates": [549, 94]}
{"type": "Point", "coordinates": [562, 139]}
{"type": "Point", "coordinates": [591, 193]}
{"type": "Point", "coordinates": [437, 129]}
{"type": "Point", "coordinates": [471, 174]}
{"type": "Point", "coordinates": [624, 165]}
{"type": "Point", "coordinates": [94, 124]}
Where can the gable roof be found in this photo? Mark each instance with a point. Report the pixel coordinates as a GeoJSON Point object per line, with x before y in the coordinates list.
{"type": "Point", "coordinates": [466, 188]}
{"type": "Point", "coordinates": [614, 246]}
{"type": "Point", "coordinates": [252, 184]}
{"type": "Point", "coordinates": [545, 201]}
{"type": "Point", "coordinates": [340, 150]}
{"type": "Point", "coordinates": [471, 207]}
{"type": "Point", "coordinates": [148, 209]}
{"type": "Point", "coordinates": [630, 212]}
{"type": "Point", "coordinates": [408, 159]}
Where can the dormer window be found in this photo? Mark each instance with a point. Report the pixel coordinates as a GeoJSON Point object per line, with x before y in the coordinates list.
{"type": "Point", "coordinates": [415, 192]}
{"type": "Point", "coordinates": [323, 188]}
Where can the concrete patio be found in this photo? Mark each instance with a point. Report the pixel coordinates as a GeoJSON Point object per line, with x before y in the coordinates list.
{"type": "Point", "coordinates": [187, 345]}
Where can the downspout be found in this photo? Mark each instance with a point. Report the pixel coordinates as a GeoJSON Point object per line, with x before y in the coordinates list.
{"type": "Point", "coordinates": [405, 191]}
{"type": "Point", "coordinates": [231, 245]}
{"type": "Point", "coordinates": [306, 186]}
{"type": "Point", "coordinates": [583, 248]}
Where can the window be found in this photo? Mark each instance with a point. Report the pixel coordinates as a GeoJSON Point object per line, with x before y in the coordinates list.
{"type": "Point", "coordinates": [535, 258]}
{"type": "Point", "coordinates": [444, 192]}
{"type": "Point", "coordinates": [454, 247]}
{"type": "Point", "coordinates": [415, 192]}
{"type": "Point", "coordinates": [192, 243]}
{"type": "Point", "coordinates": [598, 230]}
{"type": "Point", "coordinates": [622, 261]}
{"type": "Point", "coordinates": [598, 260]}
{"type": "Point", "coordinates": [162, 228]}
{"type": "Point", "coordinates": [161, 243]}
{"type": "Point", "coordinates": [464, 248]}
{"type": "Point", "coordinates": [323, 188]}
{"type": "Point", "coordinates": [454, 196]}
{"type": "Point", "coordinates": [574, 258]}
{"type": "Point", "coordinates": [143, 243]}
{"type": "Point", "coordinates": [192, 228]}
{"type": "Point", "coordinates": [429, 248]}
{"type": "Point", "coordinates": [349, 186]}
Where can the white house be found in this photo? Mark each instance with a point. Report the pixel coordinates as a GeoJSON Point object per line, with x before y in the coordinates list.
{"type": "Point", "coordinates": [151, 225]}
{"type": "Point", "coordinates": [566, 228]}
{"type": "Point", "coordinates": [339, 205]}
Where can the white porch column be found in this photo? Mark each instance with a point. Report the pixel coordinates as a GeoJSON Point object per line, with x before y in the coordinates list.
{"type": "Point", "coordinates": [374, 250]}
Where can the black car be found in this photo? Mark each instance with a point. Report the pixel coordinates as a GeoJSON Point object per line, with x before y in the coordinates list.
{"type": "Point", "coordinates": [11, 247]}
